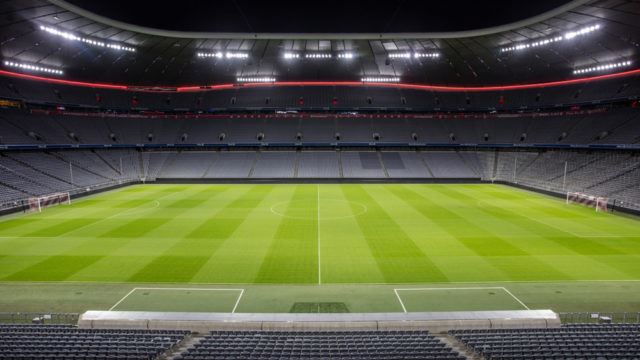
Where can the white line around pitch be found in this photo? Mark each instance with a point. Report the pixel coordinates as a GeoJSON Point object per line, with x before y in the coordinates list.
{"type": "Point", "coordinates": [185, 289]}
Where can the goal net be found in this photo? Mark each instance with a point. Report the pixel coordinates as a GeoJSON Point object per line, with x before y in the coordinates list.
{"type": "Point", "coordinates": [38, 203]}
{"type": "Point", "coordinates": [597, 202]}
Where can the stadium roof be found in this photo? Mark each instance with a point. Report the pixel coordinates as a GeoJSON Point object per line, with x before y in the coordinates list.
{"type": "Point", "coordinates": [578, 38]}
{"type": "Point", "coordinates": [327, 16]}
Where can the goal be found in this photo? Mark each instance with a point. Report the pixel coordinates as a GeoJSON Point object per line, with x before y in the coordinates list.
{"type": "Point", "coordinates": [598, 202]}
{"type": "Point", "coordinates": [38, 203]}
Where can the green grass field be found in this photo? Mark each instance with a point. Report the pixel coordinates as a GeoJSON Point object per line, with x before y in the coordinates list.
{"type": "Point", "coordinates": [282, 248]}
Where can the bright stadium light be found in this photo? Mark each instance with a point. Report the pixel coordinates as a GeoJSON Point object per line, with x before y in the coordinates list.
{"type": "Point", "coordinates": [318, 56]}
{"type": "Point", "coordinates": [379, 79]}
{"type": "Point", "coordinates": [86, 40]}
{"type": "Point", "coordinates": [432, 55]}
{"type": "Point", "coordinates": [35, 68]}
{"type": "Point", "coordinates": [400, 55]}
{"type": "Point", "coordinates": [583, 31]}
{"type": "Point", "coordinates": [552, 39]}
{"type": "Point", "coordinates": [346, 55]}
{"type": "Point", "coordinates": [219, 55]}
{"type": "Point", "coordinates": [236, 55]}
{"type": "Point", "coordinates": [250, 79]}
{"type": "Point", "coordinates": [223, 55]}
{"type": "Point", "coordinates": [602, 67]}
{"type": "Point", "coordinates": [290, 55]}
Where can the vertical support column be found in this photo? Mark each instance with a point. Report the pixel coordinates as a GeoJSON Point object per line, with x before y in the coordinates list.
{"type": "Point", "coordinates": [564, 178]}
{"type": "Point", "coordinates": [515, 167]}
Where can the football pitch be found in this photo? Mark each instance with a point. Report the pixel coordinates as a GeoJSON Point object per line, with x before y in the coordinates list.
{"type": "Point", "coordinates": [319, 248]}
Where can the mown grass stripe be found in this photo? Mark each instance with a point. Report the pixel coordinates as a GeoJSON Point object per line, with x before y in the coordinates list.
{"type": "Point", "coordinates": [292, 253]}
{"type": "Point", "coordinates": [388, 243]}
{"type": "Point", "coordinates": [495, 250]}
{"type": "Point", "coordinates": [202, 246]}
{"type": "Point", "coordinates": [477, 238]}
{"type": "Point", "coordinates": [588, 247]}
{"type": "Point", "coordinates": [398, 257]}
{"type": "Point", "coordinates": [54, 268]}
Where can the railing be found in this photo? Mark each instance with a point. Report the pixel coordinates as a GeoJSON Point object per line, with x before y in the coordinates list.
{"type": "Point", "coordinates": [600, 317]}
{"type": "Point", "coordinates": [39, 318]}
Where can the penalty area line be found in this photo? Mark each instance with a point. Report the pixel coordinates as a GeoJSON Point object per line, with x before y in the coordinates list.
{"type": "Point", "coordinates": [237, 301]}
{"type": "Point", "coordinates": [459, 288]}
{"type": "Point", "coordinates": [400, 299]}
{"type": "Point", "coordinates": [121, 300]}
{"type": "Point", "coordinates": [235, 305]}
{"type": "Point", "coordinates": [513, 296]}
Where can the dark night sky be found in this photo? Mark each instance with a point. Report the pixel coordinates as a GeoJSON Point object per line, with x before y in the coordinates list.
{"type": "Point", "coordinates": [332, 16]}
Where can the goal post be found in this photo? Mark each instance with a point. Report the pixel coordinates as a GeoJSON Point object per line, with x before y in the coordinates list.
{"type": "Point", "coordinates": [40, 202]}
{"type": "Point", "coordinates": [597, 202]}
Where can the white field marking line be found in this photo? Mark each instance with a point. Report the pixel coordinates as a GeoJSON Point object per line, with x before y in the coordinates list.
{"type": "Point", "coordinates": [237, 301]}
{"type": "Point", "coordinates": [330, 284]}
{"type": "Point", "coordinates": [121, 300]}
{"type": "Point", "coordinates": [179, 289]}
{"type": "Point", "coordinates": [318, 236]}
{"type": "Point", "coordinates": [461, 288]}
{"type": "Point", "coordinates": [568, 231]}
{"type": "Point", "coordinates": [135, 209]}
{"type": "Point", "coordinates": [27, 237]}
{"type": "Point", "coordinates": [8, 217]}
{"type": "Point", "coordinates": [157, 204]}
{"type": "Point", "coordinates": [518, 300]}
{"type": "Point", "coordinates": [400, 300]}
{"type": "Point", "coordinates": [565, 230]}
{"type": "Point", "coordinates": [610, 236]}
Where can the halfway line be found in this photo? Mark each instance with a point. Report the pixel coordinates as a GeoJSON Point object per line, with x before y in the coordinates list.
{"type": "Point", "coordinates": [318, 235]}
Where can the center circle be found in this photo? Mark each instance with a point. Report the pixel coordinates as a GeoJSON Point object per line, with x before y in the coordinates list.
{"type": "Point", "coordinates": [329, 209]}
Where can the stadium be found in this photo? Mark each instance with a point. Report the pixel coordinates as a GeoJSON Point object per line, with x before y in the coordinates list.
{"type": "Point", "coordinates": [335, 180]}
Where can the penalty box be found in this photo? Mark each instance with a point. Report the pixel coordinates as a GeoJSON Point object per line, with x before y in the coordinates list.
{"type": "Point", "coordinates": [458, 299]}
{"type": "Point", "coordinates": [169, 299]}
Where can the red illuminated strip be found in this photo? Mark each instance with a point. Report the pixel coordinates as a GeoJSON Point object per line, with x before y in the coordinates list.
{"type": "Point", "coordinates": [329, 83]}
{"type": "Point", "coordinates": [63, 82]}
{"type": "Point", "coordinates": [206, 88]}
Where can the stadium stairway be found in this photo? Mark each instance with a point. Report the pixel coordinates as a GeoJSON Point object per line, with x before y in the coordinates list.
{"type": "Point", "coordinates": [189, 341]}
{"type": "Point", "coordinates": [384, 168]}
{"type": "Point", "coordinates": [457, 346]}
